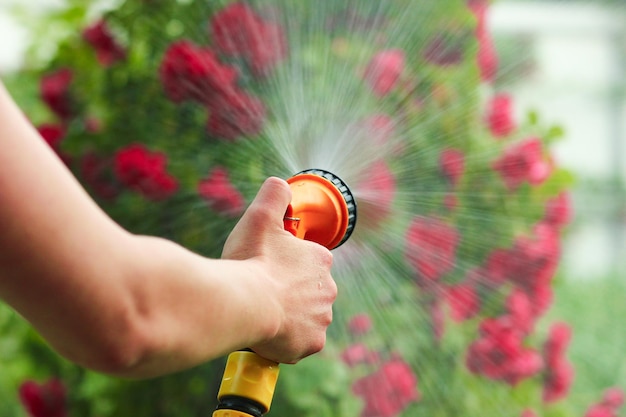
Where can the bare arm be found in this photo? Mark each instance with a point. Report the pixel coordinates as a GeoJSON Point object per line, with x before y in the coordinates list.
{"type": "Point", "coordinates": [141, 306]}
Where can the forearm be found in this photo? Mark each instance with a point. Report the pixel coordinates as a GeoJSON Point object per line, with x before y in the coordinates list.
{"type": "Point", "coordinates": [192, 309]}
{"type": "Point", "coordinates": [100, 296]}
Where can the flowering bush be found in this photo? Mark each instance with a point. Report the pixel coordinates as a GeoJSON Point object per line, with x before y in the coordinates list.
{"type": "Point", "coordinates": [171, 114]}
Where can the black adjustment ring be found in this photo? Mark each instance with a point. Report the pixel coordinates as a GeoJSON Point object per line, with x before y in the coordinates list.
{"type": "Point", "coordinates": [348, 198]}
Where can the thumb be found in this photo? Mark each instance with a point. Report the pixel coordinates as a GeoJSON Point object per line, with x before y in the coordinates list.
{"type": "Point", "coordinates": [271, 202]}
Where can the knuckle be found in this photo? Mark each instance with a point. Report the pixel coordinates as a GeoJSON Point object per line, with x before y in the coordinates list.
{"type": "Point", "coordinates": [325, 257]}
{"type": "Point", "coordinates": [333, 289]}
{"type": "Point", "coordinates": [318, 344]}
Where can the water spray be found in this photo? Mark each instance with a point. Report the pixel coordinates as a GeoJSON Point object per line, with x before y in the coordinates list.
{"type": "Point", "coordinates": [322, 210]}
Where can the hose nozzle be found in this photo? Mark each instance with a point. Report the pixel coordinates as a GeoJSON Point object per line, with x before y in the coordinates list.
{"type": "Point", "coordinates": [322, 210]}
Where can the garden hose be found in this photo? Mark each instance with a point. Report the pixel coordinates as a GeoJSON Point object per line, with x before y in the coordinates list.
{"type": "Point", "coordinates": [322, 210]}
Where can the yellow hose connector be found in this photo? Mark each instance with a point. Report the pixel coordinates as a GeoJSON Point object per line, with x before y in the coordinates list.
{"type": "Point", "coordinates": [250, 376]}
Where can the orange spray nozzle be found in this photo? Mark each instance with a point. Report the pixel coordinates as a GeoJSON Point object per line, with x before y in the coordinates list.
{"type": "Point", "coordinates": [322, 208]}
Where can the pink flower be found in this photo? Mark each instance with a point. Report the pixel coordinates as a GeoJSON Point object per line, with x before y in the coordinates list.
{"type": "Point", "coordinates": [54, 90]}
{"type": "Point", "coordinates": [144, 171]}
{"type": "Point", "coordinates": [100, 38]}
{"type": "Point", "coordinates": [613, 397]}
{"type": "Point", "coordinates": [220, 194]}
{"type": "Point", "coordinates": [534, 259]}
{"type": "Point", "coordinates": [234, 115]}
{"type": "Point", "coordinates": [520, 309]}
{"type": "Point", "coordinates": [431, 247]}
{"type": "Point", "coordinates": [558, 381]}
{"type": "Point", "coordinates": [463, 301]}
{"type": "Point", "coordinates": [612, 400]}
{"type": "Point", "coordinates": [241, 33]}
{"type": "Point", "coordinates": [556, 345]}
{"type": "Point", "coordinates": [558, 211]}
{"type": "Point", "coordinates": [384, 71]}
{"type": "Point", "coordinates": [522, 162]}
{"type": "Point", "coordinates": [499, 115]}
{"type": "Point", "coordinates": [44, 400]}
{"type": "Point", "coordinates": [528, 413]}
{"type": "Point", "coordinates": [358, 354]}
{"type": "Point", "coordinates": [360, 324]}
{"type": "Point", "coordinates": [189, 72]}
{"type": "Point", "coordinates": [388, 391]}
{"type": "Point", "coordinates": [452, 165]}
{"type": "Point", "coordinates": [601, 410]}
{"type": "Point", "coordinates": [487, 58]}
{"type": "Point", "coordinates": [497, 267]}
{"type": "Point", "coordinates": [559, 372]}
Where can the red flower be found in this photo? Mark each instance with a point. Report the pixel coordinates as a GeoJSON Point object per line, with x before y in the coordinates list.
{"type": "Point", "coordinates": [241, 33]}
{"type": "Point", "coordinates": [534, 259]}
{"type": "Point", "coordinates": [558, 210]}
{"type": "Point", "coordinates": [499, 353]}
{"type": "Point", "coordinates": [360, 324]}
{"type": "Point", "coordinates": [384, 70]}
{"type": "Point", "coordinates": [220, 194]}
{"type": "Point", "coordinates": [522, 162]}
{"type": "Point", "coordinates": [558, 381]}
{"type": "Point", "coordinates": [388, 391]}
{"type": "Point", "coordinates": [431, 247]}
{"type": "Point", "coordinates": [556, 345]}
{"type": "Point", "coordinates": [189, 72]}
{"type": "Point", "coordinates": [499, 115]}
{"type": "Point", "coordinates": [107, 49]}
{"type": "Point", "coordinates": [452, 165]}
{"type": "Point", "coordinates": [520, 309]}
{"type": "Point", "coordinates": [235, 114]}
{"type": "Point", "coordinates": [497, 267]}
{"type": "Point", "coordinates": [96, 173]}
{"type": "Point", "coordinates": [487, 58]}
{"type": "Point", "coordinates": [559, 372]}
{"type": "Point", "coordinates": [528, 413]}
{"type": "Point", "coordinates": [54, 90]}
{"type": "Point", "coordinates": [44, 400]}
{"type": "Point", "coordinates": [144, 172]}
{"type": "Point", "coordinates": [463, 301]}
{"type": "Point", "coordinates": [52, 134]}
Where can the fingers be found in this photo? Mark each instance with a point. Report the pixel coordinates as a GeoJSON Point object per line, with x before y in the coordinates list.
{"type": "Point", "coordinates": [271, 201]}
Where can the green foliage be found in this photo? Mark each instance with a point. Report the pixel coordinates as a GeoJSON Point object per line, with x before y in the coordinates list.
{"type": "Point", "coordinates": [314, 99]}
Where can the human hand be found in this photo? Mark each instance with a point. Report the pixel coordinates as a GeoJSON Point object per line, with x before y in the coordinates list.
{"type": "Point", "coordinates": [296, 273]}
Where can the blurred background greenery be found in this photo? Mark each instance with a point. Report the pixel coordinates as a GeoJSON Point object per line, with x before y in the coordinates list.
{"type": "Point", "coordinates": [591, 288]}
